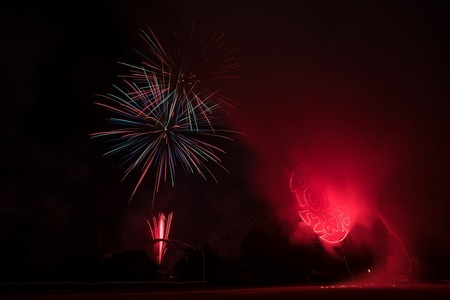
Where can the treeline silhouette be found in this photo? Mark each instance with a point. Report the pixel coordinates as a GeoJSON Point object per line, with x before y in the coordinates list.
{"type": "Point", "coordinates": [266, 258]}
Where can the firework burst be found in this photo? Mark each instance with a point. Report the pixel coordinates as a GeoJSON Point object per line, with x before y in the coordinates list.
{"type": "Point", "coordinates": [160, 234]}
{"type": "Point", "coordinates": [200, 67]}
{"type": "Point", "coordinates": [158, 131]}
{"type": "Point", "coordinates": [164, 116]}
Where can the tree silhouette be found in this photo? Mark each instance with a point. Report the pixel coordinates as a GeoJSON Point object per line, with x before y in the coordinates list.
{"type": "Point", "coordinates": [131, 266]}
{"type": "Point", "coordinates": [200, 264]}
{"type": "Point", "coordinates": [272, 259]}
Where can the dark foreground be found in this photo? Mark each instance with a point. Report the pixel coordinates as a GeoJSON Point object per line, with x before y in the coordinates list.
{"type": "Point", "coordinates": [430, 291]}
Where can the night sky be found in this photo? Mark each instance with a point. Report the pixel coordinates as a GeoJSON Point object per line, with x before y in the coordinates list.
{"type": "Point", "coordinates": [358, 89]}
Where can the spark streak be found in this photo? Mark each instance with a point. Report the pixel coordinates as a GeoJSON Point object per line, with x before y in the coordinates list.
{"type": "Point", "coordinates": [198, 66]}
{"type": "Point", "coordinates": [159, 130]}
{"type": "Point", "coordinates": [160, 234]}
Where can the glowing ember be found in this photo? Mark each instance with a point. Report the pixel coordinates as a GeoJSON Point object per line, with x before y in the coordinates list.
{"type": "Point", "coordinates": [160, 235]}
{"type": "Point", "coordinates": [325, 213]}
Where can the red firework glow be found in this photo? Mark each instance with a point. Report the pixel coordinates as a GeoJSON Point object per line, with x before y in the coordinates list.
{"type": "Point", "coordinates": [325, 212]}
{"type": "Point", "coordinates": [160, 234]}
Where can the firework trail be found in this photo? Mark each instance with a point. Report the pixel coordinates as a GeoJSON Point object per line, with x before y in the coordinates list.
{"type": "Point", "coordinates": [198, 66]}
{"type": "Point", "coordinates": [164, 116]}
{"type": "Point", "coordinates": [160, 234]}
{"type": "Point", "coordinates": [156, 131]}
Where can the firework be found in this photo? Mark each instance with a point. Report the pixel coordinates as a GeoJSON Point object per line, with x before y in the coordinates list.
{"type": "Point", "coordinates": [200, 67]}
{"type": "Point", "coordinates": [160, 234]}
{"type": "Point", "coordinates": [320, 208]}
{"type": "Point", "coordinates": [155, 130]}
{"type": "Point", "coordinates": [164, 115]}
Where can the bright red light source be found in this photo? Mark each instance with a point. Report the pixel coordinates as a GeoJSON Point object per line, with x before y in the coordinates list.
{"type": "Point", "coordinates": [160, 235]}
{"type": "Point", "coordinates": [324, 212]}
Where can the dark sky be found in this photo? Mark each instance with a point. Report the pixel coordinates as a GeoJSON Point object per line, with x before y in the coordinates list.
{"type": "Point", "coordinates": [358, 89]}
